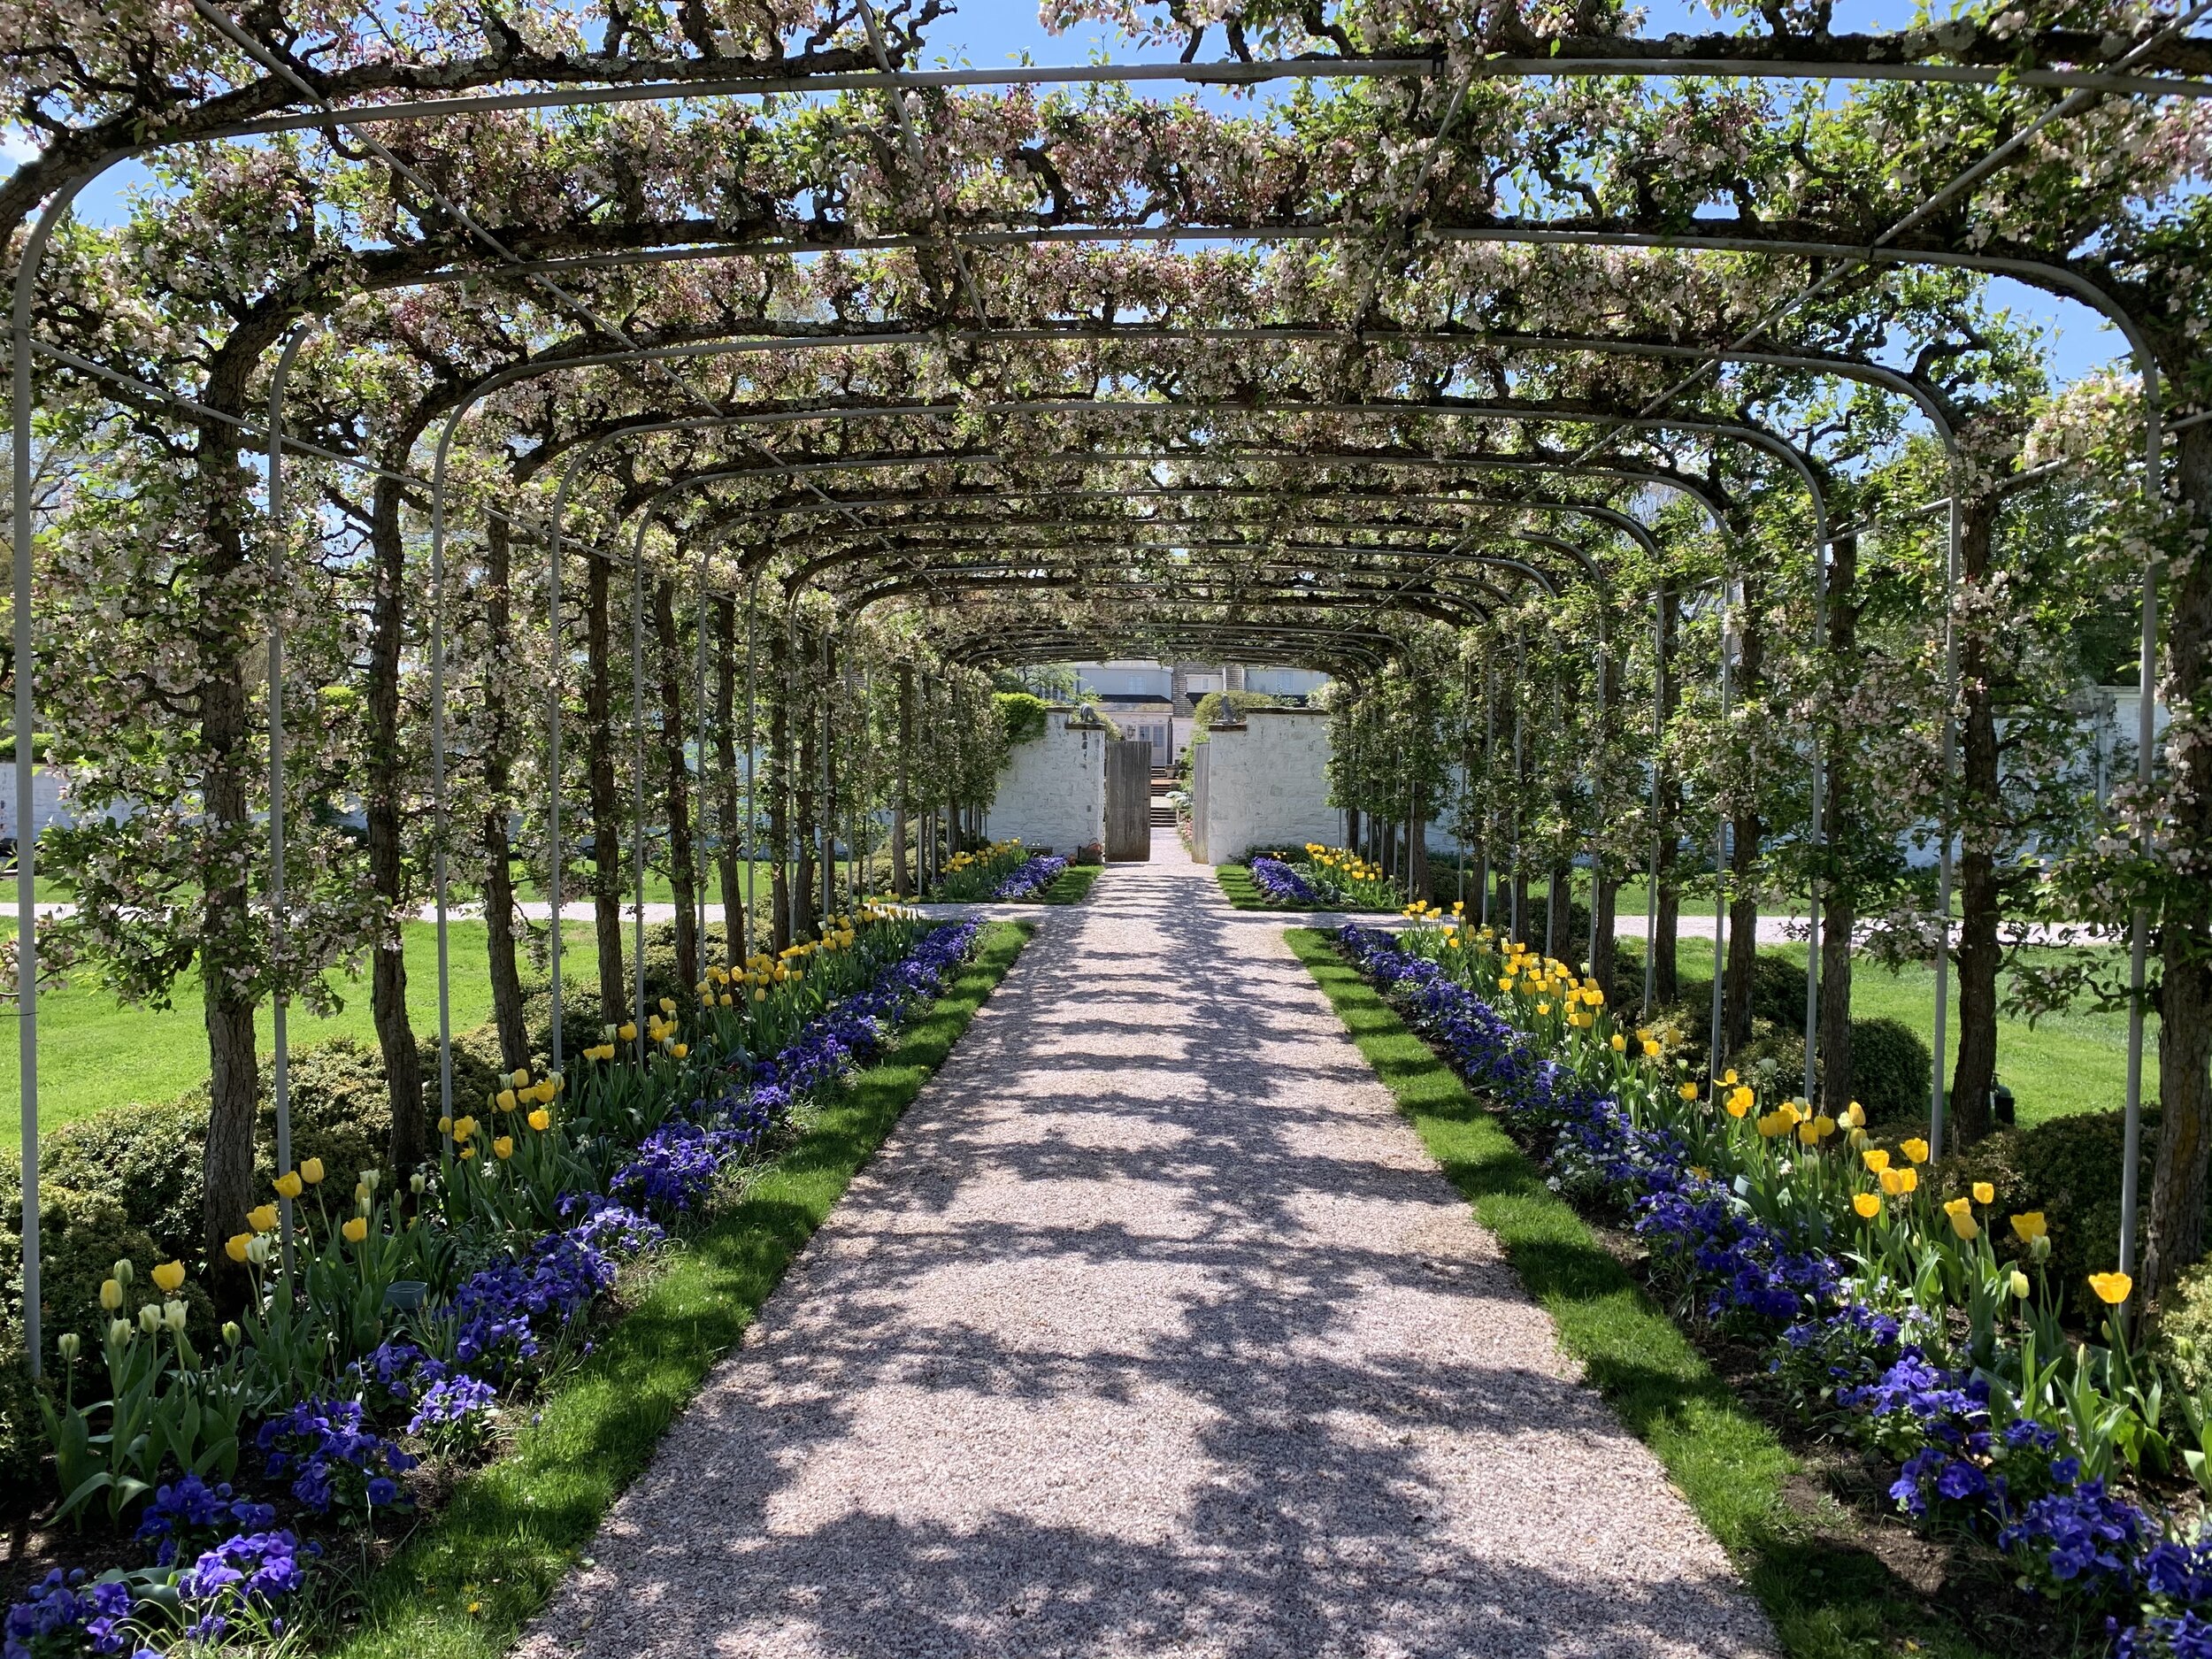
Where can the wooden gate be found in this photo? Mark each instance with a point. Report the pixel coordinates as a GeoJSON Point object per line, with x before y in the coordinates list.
{"type": "Point", "coordinates": [1128, 802]}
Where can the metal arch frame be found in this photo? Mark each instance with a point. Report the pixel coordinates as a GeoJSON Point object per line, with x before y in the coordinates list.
{"type": "Point", "coordinates": [29, 266]}
{"type": "Point", "coordinates": [1436, 607]}
{"type": "Point", "coordinates": [1106, 535]}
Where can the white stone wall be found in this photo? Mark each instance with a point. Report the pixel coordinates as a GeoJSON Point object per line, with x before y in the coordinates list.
{"type": "Point", "coordinates": [1053, 791]}
{"type": "Point", "coordinates": [1267, 784]}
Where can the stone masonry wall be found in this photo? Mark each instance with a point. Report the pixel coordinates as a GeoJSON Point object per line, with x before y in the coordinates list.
{"type": "Point", "coordinates": [1267, 785]}
{"type": "Point", "coordinates": [1053, 791]}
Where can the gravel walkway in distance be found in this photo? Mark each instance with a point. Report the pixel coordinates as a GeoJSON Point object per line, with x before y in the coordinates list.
{"type": "Point", "coordinates": [1153, 1332]}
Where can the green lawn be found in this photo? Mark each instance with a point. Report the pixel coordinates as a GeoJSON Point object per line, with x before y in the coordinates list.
{"type": "Point", "coordinates": [95, 1054]}
{"type": "Point", "coordinates": [2064, 1063]}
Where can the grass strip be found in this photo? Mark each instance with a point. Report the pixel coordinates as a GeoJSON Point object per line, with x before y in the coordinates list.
{"type": "Point", "coordinates": [1828, 1598]}
{"type": "Point", "coordinates": [462, 1586]}
{"type": "Point", "coordinates": [1072, 885]}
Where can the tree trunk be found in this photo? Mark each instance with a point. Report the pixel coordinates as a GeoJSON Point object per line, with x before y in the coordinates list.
{"type": "Point", "coordinates": [736, 947]}
{"type": "Point", "coordinates": [1559, 907]}
{"type": "Point", "coordinates": [1839, 891]}
{"type": "Point", "coordinates": [228, 926]}
{"type": "Point", "coordinates": [903, 803]}
{"type": "Point", "coordinates": [1981, 823]}
{"type": "Point", "coordinates": [499, 885]}
{"type": "Point", "coordinates": [1746, 831]}
{"type": "Point", "coordinates": [779, 780]}
{"type": "Point", "coordinates": [1605, 896]}
{"type": "Point", "coordinates": [807, 803]}
{"type": "Point", "coordinates": [1418, 881]}
{"type": "Point", "coordinates": [682, 883]}
{"type": "Point", "coordinates": [1666, 928]}
{"type": "Point", "coordinates": [2185, 1026]}
{"type": "Point", "coordinates": [1743, 934]}
{"type": "Point", "coordinates": [606, 805]}
{"type": "Point", "coordinates": [384, 807]}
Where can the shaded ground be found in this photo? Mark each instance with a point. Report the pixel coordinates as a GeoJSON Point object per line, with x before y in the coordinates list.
{"type": "Point", "coordinates": [1153, 1332]}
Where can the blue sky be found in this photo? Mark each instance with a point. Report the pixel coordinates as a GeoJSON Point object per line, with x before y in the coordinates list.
{"type": "Point", "coordinates": [989, 33]}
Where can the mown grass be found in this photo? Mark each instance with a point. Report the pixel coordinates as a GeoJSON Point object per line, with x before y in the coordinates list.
{"type": "Point", "coordinates": [1072, 885]}
{"type": "Point", "coordinates": [2064, 1063]}
{"type": "Point", "coordinates": [1827, 1601]}
{"type": "Point", "coordinates": [513, 1528]}
{"type": "Point", "coordinates": [96, 1054]}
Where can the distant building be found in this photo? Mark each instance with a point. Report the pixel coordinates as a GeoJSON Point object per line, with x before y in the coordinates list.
{"type": "Point", "coordinates": [1154, 700]}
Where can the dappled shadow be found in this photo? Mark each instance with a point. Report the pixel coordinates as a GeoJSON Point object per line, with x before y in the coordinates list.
{"type": "Point", "coordinates": [1152, 1331]}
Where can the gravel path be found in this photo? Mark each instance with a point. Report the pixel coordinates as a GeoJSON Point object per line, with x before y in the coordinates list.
{"type": "Point", "coordinates": [1153, 1332]}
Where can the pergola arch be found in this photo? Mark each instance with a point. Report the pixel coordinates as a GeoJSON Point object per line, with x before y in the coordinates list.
{"type": "Point", "coordinates": [1700, 58]}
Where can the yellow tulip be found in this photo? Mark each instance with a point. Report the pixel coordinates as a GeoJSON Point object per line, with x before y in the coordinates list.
{"type": "Point", "coordinates": [262, 1217]}
{"type": "Point", "coordinates": [1877, 1160]}
{"type": "Point", "coordinates": [169, 1278]}
{"type": "Point", "coordinates": [1966, 1228]}
{"type": "Point", "coordinates": [541, 1119]}
{"type": "Point", "coordinates": [464, 1127]}
{"type": "Point", "coordinates": [505, 1100]}
{"type": "Point", "coordinates": [288, 1185]}
{"type": "Point", "coordinates": [1688, 1091]}
{"type": "Point", "coordinates": [2018, 1285]}
{"type": "Point", "coordinates": [1868, 1204]}
{"type": "Point", "coordinates": [1908, 1179]}
{"type": "Point", "coordinates": [521, 1078]}
{"type": "Point", "coordinates": [544, 1092]}
{"type": "Point", "coordinates": [110, 1294]}
{"type": "Point", "coordinates": [356, 1230]}
{"type": "Point", "coordinates": [2112, 1288]}
{"type": "Point", "coordinates": [1893, 1180]}
{"type": "Point", "coordinates": [626, 1031]}
{"type": "Point", "coordinates": [2030, 1226]}
{"type": "Point", "coordinates": [234, 1246]}
{"type": "Point", "coordinates": [1915, 1149]}
{"type": "Point", "coordinates": [1651, 1049]}
{"type": "Point", "coordinates": [1985, 1193]}
{"type": "Point", "coordinates": [1740, 1100]}
{"type": "Point", "coordinates": [503, 1148]}
{"type": "Point", "coordinates": [312, 1171]}
{"type": "Point", "coordinates": [1620, 1043]}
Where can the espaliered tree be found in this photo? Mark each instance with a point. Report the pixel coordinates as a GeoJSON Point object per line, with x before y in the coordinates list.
{"type": "Point", "coordinates": [924, 430]}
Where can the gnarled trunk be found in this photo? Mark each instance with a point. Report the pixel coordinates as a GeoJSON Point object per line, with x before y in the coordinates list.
{"type": "Point", "coordinates": [779, 780]}
{"type": "Point", "coordinates": [499, 885]}
{"type": "Point", "coordinates": [1981, 821]}
{"type": "Point", "coordinates": [384, 807]}
{"type": "Point", "coordinates": [1746, 831]}
{"type": "Point", "coordinates": [1839, 899]}
{"type": "Point", "coordinates": [735, 944]}
{"type": "Point", "coordinates": [2185, 1026]}
{"type": "Point", "coordinates": [681, 875]}
{"type": "Point", "coordinates": [903, 803]}
{"type": "Point", "coordinates": [606, 806]}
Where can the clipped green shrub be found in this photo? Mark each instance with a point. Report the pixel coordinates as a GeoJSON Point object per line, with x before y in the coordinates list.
{"type": "Point", "coordinates": [2182, 1336]}
{"type": "Point", "coordinates": [21, 1440]}
{"type": "Point", "coordinates": [81, 1236]}
{"type": "Point", "coordinates": [2069, 1167]}
{"type": "Point", "coordinates": [1892, 1069]}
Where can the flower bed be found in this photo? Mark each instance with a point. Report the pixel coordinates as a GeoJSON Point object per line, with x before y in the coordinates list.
{"type": "Point", "coordinates": [1888, 1317]}
{"type": "Point", "coordinates": [1030, 878]}
{"type": "Point", "coordinates": [971, 877]}
{"type": "Point", "coordinates": [333, 1390]}
{"type": "Point", "coordinates": [1280, 884]}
